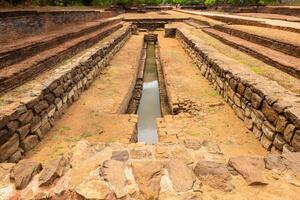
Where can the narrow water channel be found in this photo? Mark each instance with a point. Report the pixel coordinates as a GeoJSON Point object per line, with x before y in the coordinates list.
{"type": "Point", "coordinates": [149, 107]}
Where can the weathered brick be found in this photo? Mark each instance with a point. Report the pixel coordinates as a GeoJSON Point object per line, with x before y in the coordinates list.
{"type": "Point", "coordinates": [5, 135]}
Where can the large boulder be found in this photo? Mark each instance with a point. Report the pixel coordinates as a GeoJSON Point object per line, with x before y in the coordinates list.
{"type": "Point", "coordinates": [148, 175]}
{"type": "Point", "coordinates": [113, 172]}
{"type": "Point", "coordinates": [181, 175]}
{"type": "Point", "coordinates": [250, 167]}
{"type": "Point", "coordinates": [216, 175]}
{"type": "Point", "coordinates": [23, 172]}
{"type": "Point", "coordinates": [292, 161]}
{"type": "Point", "coordinates": [52, 170]}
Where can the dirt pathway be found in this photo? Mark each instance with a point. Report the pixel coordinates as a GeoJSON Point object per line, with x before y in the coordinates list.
{"type": "Point", "coordinates": [216, 121]}
{"type": "Point", "coordinates": [98, 116]}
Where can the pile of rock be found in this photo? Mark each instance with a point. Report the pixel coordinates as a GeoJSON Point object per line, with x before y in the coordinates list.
{"type": "Point", "coordinates": [138, 171]}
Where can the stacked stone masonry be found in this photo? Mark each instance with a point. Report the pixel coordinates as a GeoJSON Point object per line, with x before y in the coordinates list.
{"type": "Point", "coordinates": [269, 111]}
{"type": "Point", "coordinates": [22, 126]}
{"type": "Point", "coordinates": [20, 24]}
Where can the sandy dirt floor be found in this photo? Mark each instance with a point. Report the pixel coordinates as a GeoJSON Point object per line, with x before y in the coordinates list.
{"type": "Point", "coordinates": [217, 121]}
{"type": "Point", "coordinates": [96, 115]}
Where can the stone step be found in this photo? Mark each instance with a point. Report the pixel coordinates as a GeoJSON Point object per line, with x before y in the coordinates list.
{"type": "Point", "coordinates": [287, 48]}
{"type": "Point", "coordinates": [286, 63]}
{"type": "Point", "coordinates": [22, 49]}
{"type": "Point", "coordinates": [15, 75]}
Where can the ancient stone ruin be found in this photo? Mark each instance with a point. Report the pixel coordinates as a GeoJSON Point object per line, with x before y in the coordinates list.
{"type": "Point", "coordinates": [167, 104]}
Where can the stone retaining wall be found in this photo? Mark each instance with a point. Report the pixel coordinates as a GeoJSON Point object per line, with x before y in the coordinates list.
{"type": "Point", "coordinates": [23, 125]}
{"type": "Point", "coordinates": [283, 47]}
{"type": "Point", "coordinates": [269, 111]}
{"type": "Point", "coordinates": [18, 24]}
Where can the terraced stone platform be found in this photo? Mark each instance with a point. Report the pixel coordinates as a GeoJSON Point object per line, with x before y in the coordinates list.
{"type": "Point", "coordinates": [227, 92]}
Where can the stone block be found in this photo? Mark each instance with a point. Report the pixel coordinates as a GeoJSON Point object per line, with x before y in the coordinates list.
{"type": "Point", "coordinates": [237, 100]}
{"type": "Point", "coordinates": [233, 84]}
{"type": "Point", "coordinates": [23, 131]}
{"type": "Point", "coordinates": [36, 123]}
{"type": "Point", "coordinates": [269, 113]}
{"type": "Point", "coordinates": [12, 126]}
{"type": "Point", "coordinates": [248, 123]}
{"type": "Point", "coordinates": [257, 132]}
{"type": "Point", "coordinates": [289, 132]}
{"type": "Point", "coordinates": [42, 105]}
{"type": "Point", "coordinates": [30, 142]}
{"type": "Point", "coordinates": [3, 121]}
{"type": "Point", "coordinates": [26, 117]}
{"type": "Point", "coordinates": [241, 89]}
{"type": "Point", "coordinates": [268, 130]}
{"type": "Point", "coordinates": [296, 141]}
{"type": "Point", "coordinates": [248, 93]}
{"type": "Point", "coordinates": [9, 148]}
{"type": "Point", "coordinates": [5, 135]}
{"type": "Point", "coordinates": [279, 142]}
{"type": "Point", "coordinates": [266, 143]}
{"type": "Point", "coordinates": [58, 91]}
{"type": "Point", "coordinates": [50, 98]}
{"type": "Point", "coordinates": [281, 123]}
{"type": "Point", "coordinates": [256, 100]}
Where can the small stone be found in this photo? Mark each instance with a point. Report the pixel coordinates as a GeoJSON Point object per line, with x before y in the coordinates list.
{"type": "Point", "coordinates": [24, 171]}
{"type": "Point", "coordinates": [120, 155]}
{"type": "Point", "coordinates": [212, 147]}
{"type": "Point", "coordinates": [52, 170]}
{"type": "Point", "coordinates": [140, 153]}
{"type": "Point", "coordinates": [192, 144]}
{"type": "Point", "coordinates": [94, 190]}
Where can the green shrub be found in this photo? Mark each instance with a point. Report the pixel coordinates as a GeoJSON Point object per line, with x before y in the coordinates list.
{"type": "Point", "coordinates": [210, 2]}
